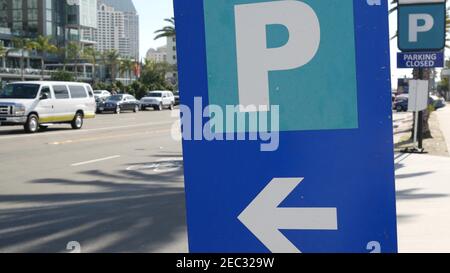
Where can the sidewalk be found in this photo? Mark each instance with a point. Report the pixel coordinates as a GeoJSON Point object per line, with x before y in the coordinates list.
{"type": "Point", "coordinates": [443, 116]}
{"type": "Point", "coordinates": [423, 203]}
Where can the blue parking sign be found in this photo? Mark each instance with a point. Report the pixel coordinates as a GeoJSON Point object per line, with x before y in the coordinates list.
{"type": "Point", "coordinates": [421, 27]}
{"type": "Point", "coordinates": [287, 126]}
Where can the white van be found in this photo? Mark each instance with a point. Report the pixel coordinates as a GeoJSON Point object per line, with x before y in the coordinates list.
{"type": "Point", "coordinates": [39, 104]}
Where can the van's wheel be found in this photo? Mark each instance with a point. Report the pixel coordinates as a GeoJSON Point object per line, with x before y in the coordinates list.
{"type": "Point", "coordinates": [117, 111]}
{"type": "Point", "coordinates": [136, 109]}
{"type": "Point", "coordinates": [171, 107]}
{"type": "Point", "coordinates": [32, 125]}
{"type": "Point", "coordinates": [77, 122]}
{"type": "Point", "coordinates": [159, 107]}
{"type": "Point", "coordinates": [143, 108]}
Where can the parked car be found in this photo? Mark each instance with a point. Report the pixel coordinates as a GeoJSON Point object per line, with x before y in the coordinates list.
{"type": "Point", "coordinates": [438, 102]}
{"type": "Point", "coordinates": [36, 105]}
{"type": "Point", "coordinates": [120, 103]}
{"type": "Point", "coordinates": [401, 103]}
{"type": "Point", "coordinates": [102, 94]}
{"type": "Point", "coordinates": [177, 98]}
{"type": "Point", "coordinates": [158, 100]}
{"type": "Point", "coordinates": [100, 103]}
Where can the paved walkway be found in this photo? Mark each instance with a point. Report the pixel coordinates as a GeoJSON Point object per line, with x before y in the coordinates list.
{"type": "Point", "coordinates": [443, 116]}
{"type": "Point", "coordinates": [423, 203]}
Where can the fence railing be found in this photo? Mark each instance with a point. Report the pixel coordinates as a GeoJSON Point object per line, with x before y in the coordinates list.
{"type": "Point", "coordinates": [37, 72]}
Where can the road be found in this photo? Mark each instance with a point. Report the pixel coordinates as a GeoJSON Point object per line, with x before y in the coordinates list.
{"type": "Point", "coordinates": [115, 186]}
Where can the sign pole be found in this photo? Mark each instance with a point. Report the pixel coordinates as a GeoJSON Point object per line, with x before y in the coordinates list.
{"type": "Point", "coordinates": [416, 126]}
{"type": "Point", "coordinates": [419, 121]}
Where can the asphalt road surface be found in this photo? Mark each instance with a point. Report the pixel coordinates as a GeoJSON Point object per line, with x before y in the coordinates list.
{"type": "Point", "coordinates": [115, 186]}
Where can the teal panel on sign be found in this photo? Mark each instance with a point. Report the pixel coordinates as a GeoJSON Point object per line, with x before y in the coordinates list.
{"type": "Point", "coordinates": [421, 27]}
{"type": "Point", "coordinates": [321, 95]}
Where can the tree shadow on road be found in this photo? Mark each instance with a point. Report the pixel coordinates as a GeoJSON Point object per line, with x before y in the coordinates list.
{"type": "Point", "coordinates": [410, 194]}
{"type": "Point", "coordinates": [126, 211]}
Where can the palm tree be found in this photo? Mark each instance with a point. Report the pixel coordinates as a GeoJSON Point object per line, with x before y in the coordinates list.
{"type": "Point", "coordinates": [21, 45]}
{"type": "Point", "coordinates": [3, 54]}
{"type": "Point", "coordinates": [126, 66]}
{"type": "Point", "coordinates": [112, 58]}
{"type": "Point", "coordinates": [92, 55]}
{"type": "Point", "coordinates": [154, 74]}
{"type": "Point", "coordinates": [43, 46]}
{"type": "Point", "coordinates": [73, 51]}
{"type": "Point", "coordinates": [167, 31]}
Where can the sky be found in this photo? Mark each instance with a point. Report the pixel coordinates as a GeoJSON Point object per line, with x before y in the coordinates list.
{"type": "Point", "coordinates": [153, 12]}
{"type": "Point", "coordinates": [151, 15]}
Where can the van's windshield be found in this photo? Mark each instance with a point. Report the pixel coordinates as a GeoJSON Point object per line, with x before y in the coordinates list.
{"type": "Point", "coordinates": [19, 91]}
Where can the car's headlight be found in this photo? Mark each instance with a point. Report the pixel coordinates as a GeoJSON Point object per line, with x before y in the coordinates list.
{"type": "Point", "coordinates": [19, 110]}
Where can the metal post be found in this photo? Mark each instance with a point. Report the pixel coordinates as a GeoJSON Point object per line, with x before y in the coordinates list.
{"type": "Point", "coordinates": [416, 126]}
{"type": "Point", "coordinates": [419, 132]}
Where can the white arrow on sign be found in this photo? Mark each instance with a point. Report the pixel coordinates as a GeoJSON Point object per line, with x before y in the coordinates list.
{"type": "Point", "coordinates": [265, 219]}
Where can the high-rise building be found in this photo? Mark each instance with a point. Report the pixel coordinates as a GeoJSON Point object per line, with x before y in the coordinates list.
{"type": "Point", "coordinates": [118, 28]}
{"type": "Point", "coordinates": [110, 34]}
{"type": "Point", "coordinates": [172, 50]}
{"type": "Point", "coordinates": [63, 20]}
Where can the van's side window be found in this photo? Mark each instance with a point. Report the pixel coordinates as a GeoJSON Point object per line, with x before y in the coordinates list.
{"type": "Point", "coordinates": [61, 92]}
{"type": "Point", "coordinates": [46, 90]}
{"type": "Point", "coordinates": [77, 92]}
{"type": "Point", "coordinates": [90, 91]}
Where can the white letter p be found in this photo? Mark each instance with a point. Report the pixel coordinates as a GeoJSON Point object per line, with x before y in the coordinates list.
{"type": "Point", "coordinates": [414, 27]}
{"type": "Point", "coordinates": [255, 60]}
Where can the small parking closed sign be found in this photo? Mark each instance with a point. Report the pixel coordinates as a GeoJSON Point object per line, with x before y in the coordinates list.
{"type": "Point", "coordinates": [420, 59]}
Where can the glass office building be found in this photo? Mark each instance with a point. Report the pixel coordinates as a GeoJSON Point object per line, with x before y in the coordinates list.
{"type": "Point", "coordinates": [60, 19]}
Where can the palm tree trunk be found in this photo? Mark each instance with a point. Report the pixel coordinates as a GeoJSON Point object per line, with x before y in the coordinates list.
{"type": "Point", "coordinates": [42, 68]}
{"type": "Point", "coordinates": [93, 74]}
{"type": "Point", "coordinates": [113, 73]}
{"type": "Point", "coordinates": [22, 69]}
{"type": "Point", "coordinates": [423, 74]}
{"type": "Point", "coordinates": [76, 68]}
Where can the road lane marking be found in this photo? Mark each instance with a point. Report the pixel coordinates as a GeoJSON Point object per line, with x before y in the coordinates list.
{"type": "Point", "coordinates": [48, 134]}
{"type": "Point", "coordinates": [90, 139]}
{"type": "Point", "coordinates": [95, 161]}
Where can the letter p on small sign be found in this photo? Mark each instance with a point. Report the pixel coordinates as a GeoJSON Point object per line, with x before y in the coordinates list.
{"type": "Point", "coordinates": [256, 59]}
{"type": "Point", "coordinates": [421, 26]}
{"type": "Point", "coordinates": [415, 27]}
